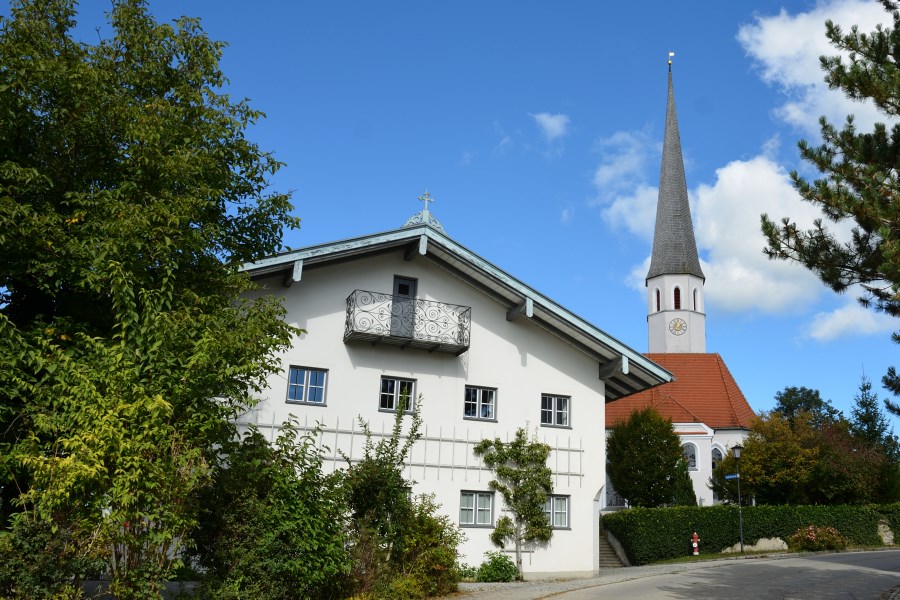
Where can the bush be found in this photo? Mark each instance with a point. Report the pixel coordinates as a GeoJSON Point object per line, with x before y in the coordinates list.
{"type": "Point", "coordinates": [650, 535]}
{"type": "Point", "coordinates": [497, 567]}
{"type": "Point", "coordinates": [271, 525]}
{"type": "Point", "coordinates": [812, 538]}
{"type": "Point", "coordinates": [466, 572]}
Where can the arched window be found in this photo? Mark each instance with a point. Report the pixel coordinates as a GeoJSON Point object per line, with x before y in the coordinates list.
{"type": "Point", "coordinates": [677, 298]}
{"type": "Point", "coordinates": [696, 298]}
{"type": "Point", "coordinates": [657, 299]}
{"type": "Point", "coordinates": [716, 458]}
{"type": "Point", "coordinates": [690, 456]}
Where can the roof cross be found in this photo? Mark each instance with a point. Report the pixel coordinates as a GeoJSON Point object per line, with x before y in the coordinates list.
{"type": "Point", "coordinates": [426, 198]}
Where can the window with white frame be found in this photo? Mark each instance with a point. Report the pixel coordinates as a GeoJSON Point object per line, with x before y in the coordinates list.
{"type": "Point", "coordinates": [476, 509]}
{"type": "Point", "coordinates": [689, 452]}
{"type": "Point", "coordinates": [555, 410]}
{"type": "Point", "coordinates": [393, 390]}
{"type": "Point", "coordinates": [480, 403]}
{"type": "Point", "coordinates": [306, 385]}
{"type": "Point", "coordinates": [557, 510]}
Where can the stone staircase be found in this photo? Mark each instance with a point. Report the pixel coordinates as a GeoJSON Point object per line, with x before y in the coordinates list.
{"type": "Point", "coordinates": [608, 557]}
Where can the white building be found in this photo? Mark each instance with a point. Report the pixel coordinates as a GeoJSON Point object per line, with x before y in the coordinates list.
{"type": "Point", "coordinates": [412, 310]}
{"type": "Point", "coordinates": [705, 404]}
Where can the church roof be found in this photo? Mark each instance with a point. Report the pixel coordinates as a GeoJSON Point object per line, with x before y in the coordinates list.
{"type": "Point", "coordinates": [703, 392]}
{"type": "Point", "coordinates": [674, 248]}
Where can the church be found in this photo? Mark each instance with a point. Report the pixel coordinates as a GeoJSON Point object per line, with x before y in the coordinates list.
{"type": "Point", "coordinates": [706, 406]}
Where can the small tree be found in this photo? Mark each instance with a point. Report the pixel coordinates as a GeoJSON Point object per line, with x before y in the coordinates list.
{"type": "Point", "coordinates": [641, 454]}
{"type": "Point", "coordinates": [523, 479]}
{"type": "Point", "coordinates": [684, 488]}
{"type": "Point", "coordinates": [793, 400]}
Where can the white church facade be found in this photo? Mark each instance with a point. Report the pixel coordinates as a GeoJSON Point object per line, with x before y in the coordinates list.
{"type": "Point", "coordinates": [412, 311]}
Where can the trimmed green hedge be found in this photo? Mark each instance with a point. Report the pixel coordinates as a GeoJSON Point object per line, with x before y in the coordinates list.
{"type": "Point", "coordinates": [653, 534]}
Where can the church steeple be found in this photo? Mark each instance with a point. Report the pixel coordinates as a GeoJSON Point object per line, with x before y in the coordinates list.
{"type": "Point", "coordinates": [675, 317]}
{"type": "Point", "coordinates": [674, 248]}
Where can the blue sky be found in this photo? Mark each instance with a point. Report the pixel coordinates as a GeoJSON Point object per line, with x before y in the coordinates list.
{"type": "Point", "coordinates": [537, 127]}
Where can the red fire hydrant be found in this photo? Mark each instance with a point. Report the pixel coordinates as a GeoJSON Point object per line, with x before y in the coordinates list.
{"type": "Point", "coordinates": [695, 544]}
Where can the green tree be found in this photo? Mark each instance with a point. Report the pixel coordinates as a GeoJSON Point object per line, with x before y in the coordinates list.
{"type": "Point", "coordinates": [793, 400]}
{"type": "Point", "coordinates": [641, 455]}
{"type": "Point", "coordinates": [859, 180]}
{"type": "Point", "coordinates": [524, 480]}
{"type": "Point", "coordinates": [272, 524]}
{"type": "Point", "coordinates": [872, 434]}
{"type": "Point", "coordinates": [128, 198]}
{"type": "Point", "coordinates": [868, 424]}
{"type": "Point", "coordinates": [796, 462]}
{"type": "Point", "coordinates": [683, 494]}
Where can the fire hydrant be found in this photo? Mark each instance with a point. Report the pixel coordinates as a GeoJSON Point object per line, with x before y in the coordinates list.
{"type": "Point", "coordinates": [695, 544]}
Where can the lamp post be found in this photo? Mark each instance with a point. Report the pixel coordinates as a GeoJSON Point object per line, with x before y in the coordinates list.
{"type": "Point", "coordinates": [736, 452]}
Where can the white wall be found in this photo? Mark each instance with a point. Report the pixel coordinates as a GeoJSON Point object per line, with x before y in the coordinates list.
{"type": "Point", "coordinates": [518, 358]}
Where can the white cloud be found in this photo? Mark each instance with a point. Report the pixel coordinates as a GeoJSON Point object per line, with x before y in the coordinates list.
{"type": "Point", "coordinates": [501, 147]}
{"type": "Point", "coordinates": [553, 127]}
{"type": "Point", "coordinates": [850, 319]}
{"type": "Point", "coordinates": [566, 216]}
{"type": "Point", "coordinates": [636, 212]}
{"type": "Point", "coordinates": [624, 157]}
{"type": "Point", "coordinates": [727, 225]}
{"type": "Point", "coordinates": [787, 48]}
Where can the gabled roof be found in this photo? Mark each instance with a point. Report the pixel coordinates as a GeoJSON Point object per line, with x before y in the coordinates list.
{"type": "Point", "coordinates": [703, 392]}
{"type": "Point", "coordinates": [625, 370]}
{"type": "Point", "coordinates": [674, 248]}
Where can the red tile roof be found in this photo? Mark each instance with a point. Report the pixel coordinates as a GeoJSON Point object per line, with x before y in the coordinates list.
{"type": "Point", "coordinates": [703, 392]}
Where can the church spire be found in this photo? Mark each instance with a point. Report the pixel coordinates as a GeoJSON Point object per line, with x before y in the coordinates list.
{"type": "Point", "coordinates": [676, 321]}
{"type": "Point", "coordinates": [674, 248]}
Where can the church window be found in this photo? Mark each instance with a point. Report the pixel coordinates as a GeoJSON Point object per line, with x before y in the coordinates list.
{"type": "Point", "coordinates": [716, 458]}
{"type": "Point", "coordinates": [657, 299]}
{"type": "Point", "coordinates": [696, 300]}
{"type": "Point", "coordinates": [690, 456]}
{"type": "Point", "coordinates": [677, 298]}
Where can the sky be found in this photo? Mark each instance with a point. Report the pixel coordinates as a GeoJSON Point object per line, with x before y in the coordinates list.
{"type": "Point", "coordinates": [537, 127]}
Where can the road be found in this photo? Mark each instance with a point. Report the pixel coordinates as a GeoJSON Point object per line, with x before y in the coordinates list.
{"type": "Point", "coordinates": [857, 575]}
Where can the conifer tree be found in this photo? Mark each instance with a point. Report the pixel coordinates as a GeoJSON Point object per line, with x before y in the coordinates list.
{"type": "Point", "coordinates": [859, 180]}
{"type": "Point", "coordinates": [641, 454]}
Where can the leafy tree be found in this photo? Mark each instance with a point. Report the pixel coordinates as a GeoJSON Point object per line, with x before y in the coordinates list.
{"type": "Point", "coordinates": [793, 400]}
{"type": "Point", "coordinates": [786, 462]}
{"type": "Point", "coordinates": [684, 494]}
{"type": "Point", "coordinates": [272, 524]}
{"type": "Point", "coordinates": [379, 497]}
{"type": "Point", "coordinates": [128, 198]}
{"type": "Point", "coordinates": [641, 455]}
{"type": "Point", "coordinates": [524, 481]}
{"type": "Point", "coordinates": [859, 180]}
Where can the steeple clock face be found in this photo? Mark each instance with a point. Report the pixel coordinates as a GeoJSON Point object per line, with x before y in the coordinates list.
{"type": "Point", "coordinates": [677, 326]}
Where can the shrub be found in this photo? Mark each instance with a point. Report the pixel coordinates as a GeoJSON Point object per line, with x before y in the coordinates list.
{"type": "Point", "coordinates": [466, 572]}
{"type": "Point", "coordinates": [653, 534]}
{"type": "Point", "coordinates": [497, 567]}
{"type": "Point", "coordinates": [813, 537]}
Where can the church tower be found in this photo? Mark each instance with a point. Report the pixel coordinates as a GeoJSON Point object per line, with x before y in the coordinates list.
{"type": "Point", "coordinates": [675, 319]}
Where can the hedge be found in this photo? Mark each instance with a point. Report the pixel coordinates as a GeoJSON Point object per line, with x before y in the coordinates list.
{"type": "Point", "coordinates": [653, 534]}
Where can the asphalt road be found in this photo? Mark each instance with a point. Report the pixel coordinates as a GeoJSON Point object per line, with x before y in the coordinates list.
{"type": "Point", "coordinates": [857, 575]}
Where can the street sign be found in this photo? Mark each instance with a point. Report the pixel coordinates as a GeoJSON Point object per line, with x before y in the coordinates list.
{"type": "Point", "coordinates": [733, 476]}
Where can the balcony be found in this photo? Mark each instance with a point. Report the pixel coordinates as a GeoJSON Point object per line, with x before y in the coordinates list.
{"type": "Point", "coordinates": [407, 322]}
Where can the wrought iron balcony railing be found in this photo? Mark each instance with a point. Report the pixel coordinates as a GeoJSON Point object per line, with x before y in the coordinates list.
{"type": "Point", "coordinates": [407, 322]}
